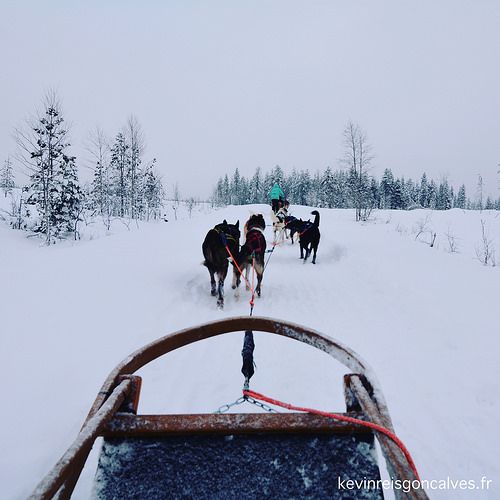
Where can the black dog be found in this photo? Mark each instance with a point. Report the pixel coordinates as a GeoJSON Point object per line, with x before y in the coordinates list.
{"type": "Point", "coordinates": [309, 237]}
{"type": "Point", "coordinates": [216, 254]}
{"type": "Point", "coordinates": [253, 251]}
{"type": "Point", "coordinates": [294, 225]}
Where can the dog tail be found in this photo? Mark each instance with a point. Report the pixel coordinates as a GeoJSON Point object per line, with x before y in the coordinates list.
{"type": "Point", "coordinates": [316, 218]}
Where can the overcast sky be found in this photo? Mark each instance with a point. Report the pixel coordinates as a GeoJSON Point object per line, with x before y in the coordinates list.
{"type": "Point", "coordinates": [218, 85]}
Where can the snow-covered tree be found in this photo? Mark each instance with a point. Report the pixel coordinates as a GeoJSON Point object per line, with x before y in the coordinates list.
{"type": "Point", "coordinates": [255, 187]}
{"type": "Point", "coordinates": [386, 189]}
{"type": "Point", "coordinates": [69, 199]}
{"type": "Point", "coordinates": [135, 143]}
{"type": "Point", "coordinates": [53, 187]}
{"type": "Point", "coordinates": [153, 192]}
{"type": "Point", "coordinates": [7, 182]}
{"type": "Point", "coordinates": [461, 199]}
{"type": "Point", "coordinates": [100, 194]}
{"type": "Point", "coordinates": [424, 191]}
{"type": "Point", "coordinates": [327, 189]}
{"type": "Point", "coordinates": [119, 167]}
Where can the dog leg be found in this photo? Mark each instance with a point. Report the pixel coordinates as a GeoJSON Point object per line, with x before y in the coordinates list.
{"type": "Point", "coordinates": [222, 276]}
{"type": "Point", "coordinates": [213, 285]}
{"type": "Point", "coordinates": [220, 300]}
{"type": "Point", "coordinates": [314, 255]}
{"type": "Point", "coordinates": [259, 281]}
{"type": "Point", "coordinates": [308, 252]}
{"type": "Point", "coordinates": [235, 278]}
{"type": "Point", "coordinates": [247, 268]}
{"type": "Point", "coordinates": [236, 282]}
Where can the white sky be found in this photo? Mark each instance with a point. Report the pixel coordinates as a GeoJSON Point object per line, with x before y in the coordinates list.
{"type": "Point", "coordinates": [218, 85]}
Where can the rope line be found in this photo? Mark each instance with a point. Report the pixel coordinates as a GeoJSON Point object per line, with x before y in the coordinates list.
{"type": "Point", "coordinates": [238, 267]}
{"type": "Point", "coordinates": [343, 418]}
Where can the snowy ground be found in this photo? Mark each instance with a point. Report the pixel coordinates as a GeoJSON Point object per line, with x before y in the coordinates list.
{"type": "Point", "coordinates": [424, 318]}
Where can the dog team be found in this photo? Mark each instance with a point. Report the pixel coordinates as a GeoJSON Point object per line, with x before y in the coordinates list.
{"type": "Point", "coordinates": [222, 244]}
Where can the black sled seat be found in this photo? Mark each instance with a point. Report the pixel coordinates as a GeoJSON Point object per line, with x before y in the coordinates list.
{"type": "Point", "coordinates": [227, 455]}
{"type": "Point", "coordinates": [246, 456]}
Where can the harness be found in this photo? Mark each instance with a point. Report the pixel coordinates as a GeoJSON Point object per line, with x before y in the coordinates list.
{"type": "Point", "coordinates": [224, 237]}
{"type": "Point", "coordinates": [255, 242]}
{"type": "Point", "coordinates": [308, 226]}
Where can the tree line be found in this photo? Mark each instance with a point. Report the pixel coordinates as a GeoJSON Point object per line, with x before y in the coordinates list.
{"type": "Point", "coordinates": [350, 186]}
{"type": "Point", "coordinates": [53, 201]}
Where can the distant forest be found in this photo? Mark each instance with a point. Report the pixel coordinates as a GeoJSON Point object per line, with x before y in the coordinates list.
{"type": "Point", "coordinates": [345, 189]}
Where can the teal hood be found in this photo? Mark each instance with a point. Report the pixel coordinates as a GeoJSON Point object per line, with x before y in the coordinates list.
{"type": "Point", "coordinates": [276, 193]}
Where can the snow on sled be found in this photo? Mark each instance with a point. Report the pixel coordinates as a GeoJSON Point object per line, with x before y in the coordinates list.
{"type": "Point", "coordinates": [229, 455]}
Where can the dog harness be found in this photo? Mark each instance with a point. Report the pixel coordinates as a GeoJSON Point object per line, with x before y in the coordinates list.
{"type": "Point", "coordinates": [225, 236]}
{"type": "Point", "coordinates": [255, 242]}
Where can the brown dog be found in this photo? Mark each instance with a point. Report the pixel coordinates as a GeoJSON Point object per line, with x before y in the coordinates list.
{"type": "Point", "coordinates": [252, 252]}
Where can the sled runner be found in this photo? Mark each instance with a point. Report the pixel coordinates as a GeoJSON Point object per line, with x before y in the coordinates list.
{"type": "Point", "coordinates": [228, 455]}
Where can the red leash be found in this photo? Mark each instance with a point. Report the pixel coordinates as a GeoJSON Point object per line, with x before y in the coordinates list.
{"type": "Point", "coordinates": [243, 276]}
{"type": "Point", "coordinates": [343, 418]}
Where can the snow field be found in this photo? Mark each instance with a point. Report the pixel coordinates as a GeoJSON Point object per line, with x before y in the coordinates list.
{"type": "Point", "coordinates": [425, 319]}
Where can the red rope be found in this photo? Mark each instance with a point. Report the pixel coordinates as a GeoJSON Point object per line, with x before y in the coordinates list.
{"type": "Point", "coordinates": [253, 281]}
{"type": "Point", "coordinates": [241, 274]}
{"type": "Point", "coordinates": [343, 418]}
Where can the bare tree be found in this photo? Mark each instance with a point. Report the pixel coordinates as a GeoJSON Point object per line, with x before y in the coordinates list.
{"type": "Point", "coordinates": [177, 194]}
{"type": "Point", "coordinates": [422, 226]}
{"type": "Point", "coordinates": [98, 148]}
{"type": "Point", "coordinates": [136, 140]}
{"type": "Point", "coordinates": [357, 157]}
{"type": "Point", "coordinates": [485, 252]}
{"type": "Point", "coordinates": [452, 241]}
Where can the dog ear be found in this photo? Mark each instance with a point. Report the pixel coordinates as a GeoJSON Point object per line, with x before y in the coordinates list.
{"type": "Point", "coordinates": [224, 222]}
{"type": "Point", "coordinates": [237, 223]}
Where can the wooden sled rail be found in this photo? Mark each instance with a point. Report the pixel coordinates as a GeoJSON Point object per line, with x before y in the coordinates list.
{"type": "Point", "coordinates": [121, 389]}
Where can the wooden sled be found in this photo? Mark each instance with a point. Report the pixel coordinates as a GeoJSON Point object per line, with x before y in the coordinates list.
{"type": "Point", "coordinates": [244, 456]}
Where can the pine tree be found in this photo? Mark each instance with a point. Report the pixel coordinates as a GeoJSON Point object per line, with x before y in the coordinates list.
{"type": "Point", "coordinates": [303, 187]}
{"type": "Point", "coordinates": [135, 142]}
{"type": "Point", "coordinates": [53, 185]}
{"type": "Point", "coordinates": [424, 191]}
{"type": "Point", "coordinates": [432, 193]}
{"type": "Point", "coordinates": [397, 195]}
{"type": "Point", "coordinates": [386, 189]}
{"type": "Point", "coordinates": [327, 187]}
{"type": "Point", "coordinates": [340, 189]}
{"type": "Point", "coordinates": [255, 188]}
{"type": "Point", "coordinates": [461, 198]}
{"type": "Point", "coordinates": [119, 167]}
{"type": "Point", "coordinates": [226, 190]}
{"type": "Point", "coordinates": [235, 188]}
{"type": "Point", "coordinates": [443, 199]}
{"type": "Point", "coordinates": [69, 198]}
{"type": "Point", "coordinates": [153, 192]}
{"type": "Point", "coordinates": [489, 205]}
{"type": "Point", "coordinates": [374, 193]}
{"type": "Point", "coordinates": [100, 189]}
{"type": "Point", "coordinates": [279, 178]}
{"type": "Point", "coordinates": [7, 177]}
{"type": "Point", "coordinates": [218, 197]}
{"type": "Point", "coordinates": [99, 196]}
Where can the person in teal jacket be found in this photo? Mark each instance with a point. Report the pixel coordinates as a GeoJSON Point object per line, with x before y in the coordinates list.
{"type": "Point", "coordinates": [276, 195]}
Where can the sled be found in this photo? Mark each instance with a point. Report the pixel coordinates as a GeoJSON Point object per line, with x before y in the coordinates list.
{"type": "Point", "coordinates": [229, 455]}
